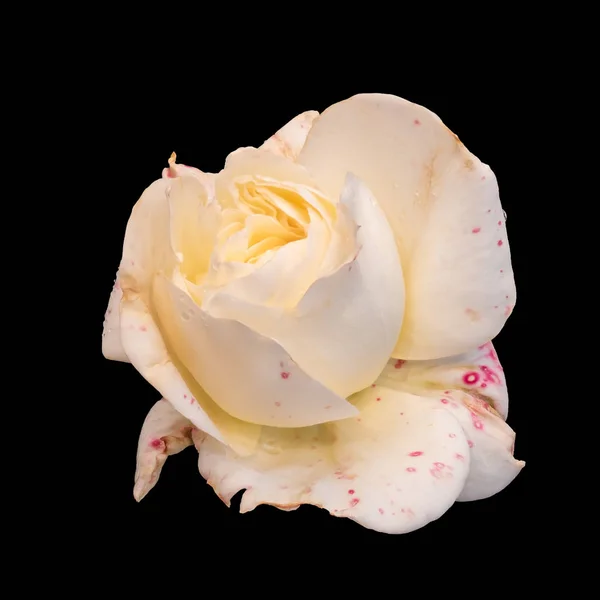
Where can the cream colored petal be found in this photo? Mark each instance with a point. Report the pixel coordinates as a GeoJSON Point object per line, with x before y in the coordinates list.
{"type": "Point", "coordinates": [444, 209]}
{"type": "Point", "coordinates": [478, 373]}
{"type": "Point", "coordinates": [397, 466]}
{"type": "Point", "coordinates": [343, 330]}
{"type": "Point", "coordinates": [112, 348]}
{"type": "Point", "coordinates": [289, 140]}
{"type": "Point", "coordinates": [147, 251]}
{"type": "Point", "coordinates": [248, 375]}
{"type": "Point", "coordinates": [164, 433]}
{"type": "Point", "coordinates": [177, 170]}
{"type": "Point", "coordinates": [472, 387]}
{"type": "Point", "coordinates": [257, 165]}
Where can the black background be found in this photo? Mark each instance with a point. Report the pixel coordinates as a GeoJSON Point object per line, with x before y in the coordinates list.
{"type": "Point", "coordinates": [203, 123]}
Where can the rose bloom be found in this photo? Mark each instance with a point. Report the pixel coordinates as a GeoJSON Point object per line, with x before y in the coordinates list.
{"type": "Point", "coordinates": [317, 318]}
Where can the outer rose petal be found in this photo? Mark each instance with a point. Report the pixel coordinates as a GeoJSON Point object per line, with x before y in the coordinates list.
{"type": "Point", "coordinates": [473, 389]}
{"type": "Point", "coordinates": [398, 466]}
{"type": "Point", "coordinates": [147, 250]}
{"type": "Point", "coordinates": [443, 206]}
{"type": "Point", "coordinates": [112, 348]}
{"type": "Point", "coordinates": [164, 433]}
{"type": "Point", "coordinates": [345, 327]}
{"type": "Point", "coordinates": [289, 140]}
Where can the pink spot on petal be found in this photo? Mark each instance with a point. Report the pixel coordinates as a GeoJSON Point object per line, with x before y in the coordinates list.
{"type": "Point", "coordinates": [416, 453]}
{"type": "Point", "coordinates": [483, 179]}
{"type": "Point", "coordinates": [411, 469]}
{"type": "Point", "coordinates": [452, 435]}
{"type": "Point", "coordinates": [476, 230]}
{"type": "Point", "coordinates": [459, 456]}
{"type": "Point", "coordinates": [143, 328]}
{"type": "Point", "coordinates": [471, 444]}
{"type": "Point", "coordinates": [373, 385]}
{"type": "Point", "coordinates": [439, 465]}
{"type": "Point", "coordinates": [399, 363]}
{"type": "Point", "coordinates": [500, 242]}
{"type": "Point", "coordinates": [192, 400]}
{"type": "Point", "coordinates": [354, 501]}
{"type": "Point", "coordinates": [417, 122]}
{"type": "Point", "coordinates": [351, 491]}
{"type": "Point", "coordinates": [444, 400]}
{"type": "Point", "coordinates": [499, 222]}
{"type": "Point", "coordinates": [471, 378]}
{"type": "Point", "coordinates": [380, 511]}
{"type": "Point", "coordinates": [157, 444]}
{"type": "Point", "coordinates": [277, 403]}
{"type": "Point", "coordinates": [378, 399]}
{"type": "Point", "coordinates": [185, 396]}
{"type": "Point", "coordinates": [284, 375]}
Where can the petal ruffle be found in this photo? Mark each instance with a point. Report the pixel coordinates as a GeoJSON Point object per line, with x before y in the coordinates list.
{"type": "Point", "coordinates": [472, 387]}
{"type": "Point", "coordinates": [164, 433]}
{"type": "Point", "coordinates": [400, 464]}
{"type": "Point", "coordinates": [444, 209]}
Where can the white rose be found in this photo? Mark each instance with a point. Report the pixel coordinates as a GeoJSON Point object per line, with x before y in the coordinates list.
{"type": "Point", "coordinates": [318, 315]}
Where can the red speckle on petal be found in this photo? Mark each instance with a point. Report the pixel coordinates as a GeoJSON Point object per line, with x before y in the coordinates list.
{"type": "Point", "coordinates": [476, 230]}
{"type": "Point", "coordinates": [143, 328]}
{"type": "Point", "coordinates": [185, 396]}
{"type": "Point", "coordinates": [399, 363]}
{"type": "Point", "coordinates": [471, 444]}
{"type": "Point", "coordinates": [417, 122]}
{"type": "Point", "coordinates": [411, 469]}
{"type": "Point", "coordinates": [378, 399]}
{"type": "Point", "coordinates": [277, 403]}
{"type": "Point", "coordinates": [157, 444]}
{"type": "Point", "coordinates": [284, 375]}
{"type": "Point", "coordinates": [354, 501]}
{"type": "Point", "coordinates": [471, 378]}
{"type": "Point", "coordinates": [444, 400]}
{"type": "Point", "coordinates": [439, 465]}
{"type": "Point", "coordinates": [499, 222]}
{"type": "Point", "coordinates": [351, 491]}
{"type": "Point", "coordinates": [380, 511]}
{"type": "Point", "coordinates": [459, 456]}
{"type": "Point", "coordinates": [483, 179]}
{"type": "Point", "coordinates": [500, 242]}
{"type": "Point", "coordinates": [373, 385]}
{"type": "Point", "coordinates": [452, 435]}
{"type": "Point", "coordinates": [416, 453]}
{"type": "Point", "coordinates": [483, 385]}
{"type": "Point", "coordinates": [192, 400]}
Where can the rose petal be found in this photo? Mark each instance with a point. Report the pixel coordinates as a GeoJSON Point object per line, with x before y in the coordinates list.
{"type": "Point", "coordinates": [398, 466]}
{"type": "Point", "coordinates": [288, 141]}
{"type": "Point", "coordinates": [164, 433]}
{"type": "Point", "coordinates": [472, 387]}
{"type": "Point", "coordinates": [343, 330]}
{"type": "Point", "coordinates": [492, 441]}
{"type": "Point", "coordinates": [443, 206]}
{"type": "Point", "coordinates": [112, 348]}
{"type": "Point", "coordinates": [177, 170]}
{"type": "Point", "coordinates": [147, 250]}
{"type": "Point", "coordinates": [248, 375]}
{"type": "Point", "coordinates": [478, 373]}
